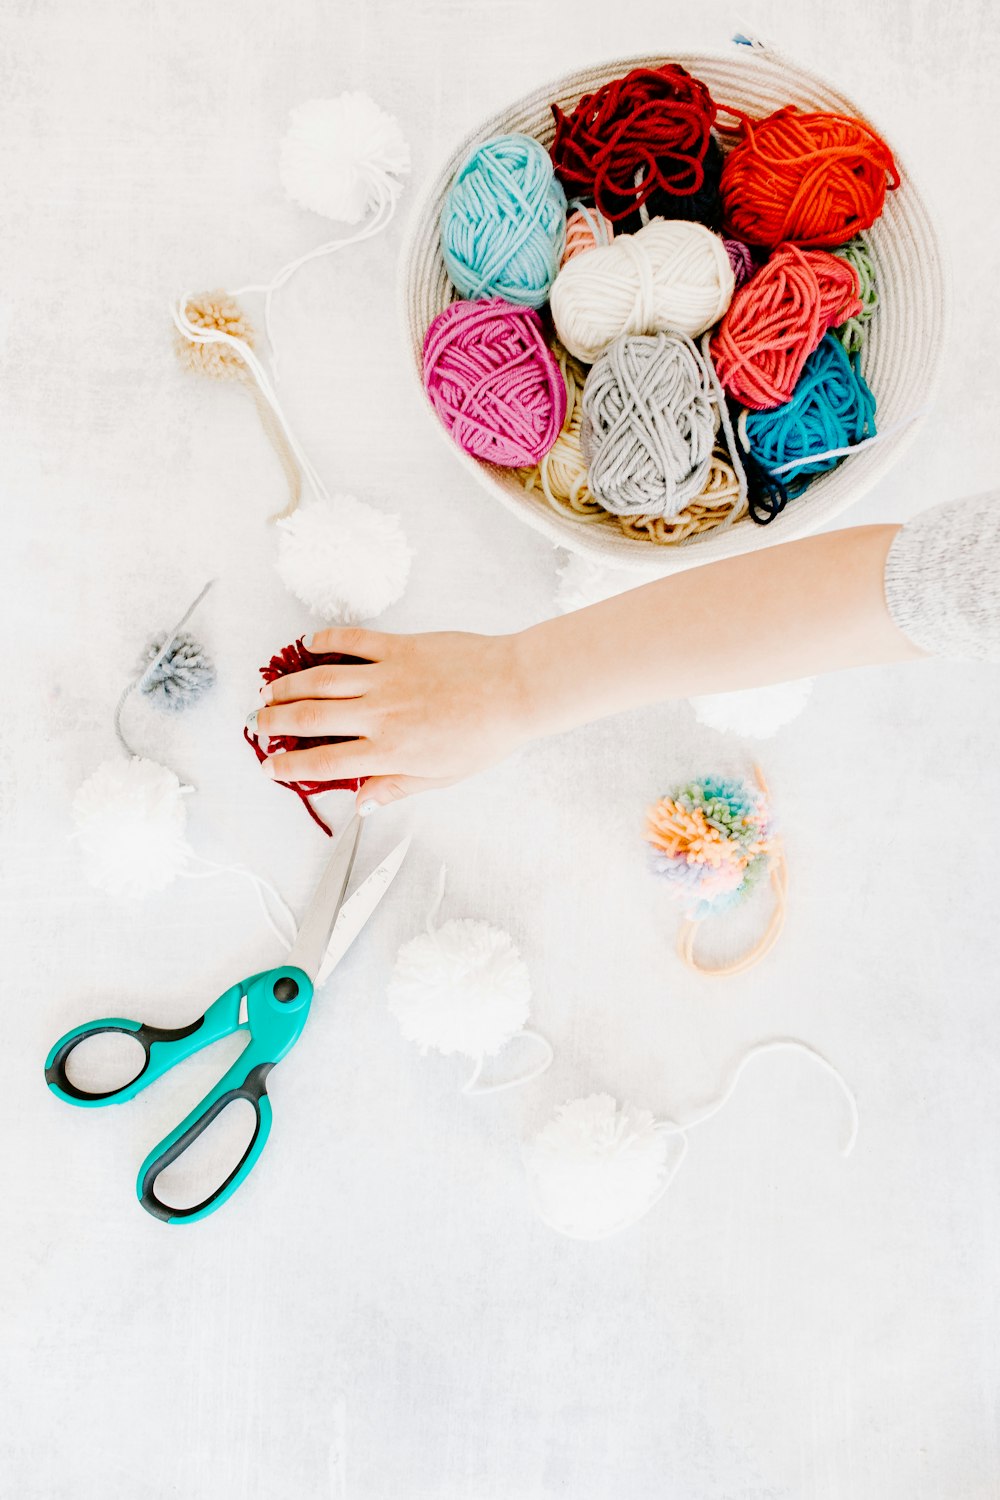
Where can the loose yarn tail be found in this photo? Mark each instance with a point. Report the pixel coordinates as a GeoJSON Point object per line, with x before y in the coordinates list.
{"type": "Point", "coordinates": [262, 889]}
{"type": "Point", "coordinates": [472, 1086]}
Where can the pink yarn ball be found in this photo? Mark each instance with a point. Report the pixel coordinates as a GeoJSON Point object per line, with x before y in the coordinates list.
{"type": "Point", "coordinates": [741, 260]}
{"type": "Point", "coordinates": [494, 382]}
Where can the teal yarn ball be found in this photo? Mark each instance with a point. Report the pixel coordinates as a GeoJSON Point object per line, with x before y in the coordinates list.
{"type": "Point", "coordinates": [832, 407]}
{"type": "Point", "coordinates": [503, 224]}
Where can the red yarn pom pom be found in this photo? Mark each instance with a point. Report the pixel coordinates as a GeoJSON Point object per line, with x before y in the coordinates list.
{"type": "Point", "coordinates": [295, 658]}
{"type": "Point", "coordinates": [655, 125]}
{"type": "Point", "coordinates": [817, 179]}
{"type": "Point", "coordinates": [775, 322]}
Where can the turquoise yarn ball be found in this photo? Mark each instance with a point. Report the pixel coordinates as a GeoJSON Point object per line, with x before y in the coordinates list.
{"type": "Point", "coordinates": [831, 407]}
{"type": "Point", "coordinates": [503, 224]}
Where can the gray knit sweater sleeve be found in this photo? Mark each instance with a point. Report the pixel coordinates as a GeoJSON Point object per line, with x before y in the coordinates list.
{"type": "Point", "coordinates": [942, 578]}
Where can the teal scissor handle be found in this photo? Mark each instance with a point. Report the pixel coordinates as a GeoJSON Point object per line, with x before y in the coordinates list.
{"type": "Point", "coordinates": [273, 1007]}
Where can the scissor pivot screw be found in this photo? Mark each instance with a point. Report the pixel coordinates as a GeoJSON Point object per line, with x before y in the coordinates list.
{"type": "Point", "coordinates": [285, 989]}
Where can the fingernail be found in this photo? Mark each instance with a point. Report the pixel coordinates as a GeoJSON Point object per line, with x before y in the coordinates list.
{"type": "Point", "coordinates": [267, 765]}
{"type": "Point", "coordinates": [252, 721]}
{"type": "Point", "coordinates": [265, 693]}
{"type": "Point", "coordinates": [308, 641]}
{"type": "Point", "coordinates": [368, 807]}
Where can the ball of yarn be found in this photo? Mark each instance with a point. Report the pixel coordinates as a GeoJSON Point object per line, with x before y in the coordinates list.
{"type": "Point", "coordinates": [130, 819]}
{"type": "Point", "coordinates": [461, 987]}
{"type": "Point", "coordinates": [493, 382]}
{"type": "Point", "coordinates": [832, 408]}
{"type": "Point", "coordinates": [296, 657]}
{"type": "Point", "coordinates": [586, 228]}
{"type": "Point", "coordinates": [754, 713]}
{"type": "Point", "coordinates": [671, 275]}
{"type": "Point", "coordinates": [503, 224]}
{"type": "Point", "coordinates": [853, 333]}
{"type": "Point", "coordinates": [180, 677]}
{"type": "Point", "coordinates": [215, 311]}
{"type": "Point", "coordinates": [642, 141]}
{"type": "Point", "coordinates": [649, 421]}
{"type": "Point", "coordinates": [343, 559]}
{"type": "Point", "coordinates": [741, 260]}
{"type": "Point", "coordinates": [776, 322]}
{"type": "Point", "coordinates": [597, 1166]}
{"type": "Point", "coordinates": [711, 839]}
{"type": "Point", "coordinates": [343, 157]}
{"type": "Point", "coordinates": [817, 179]}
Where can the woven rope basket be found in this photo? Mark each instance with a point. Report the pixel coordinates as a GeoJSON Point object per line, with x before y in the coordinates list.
{"type": "Point", "coordinates": [900, 362]}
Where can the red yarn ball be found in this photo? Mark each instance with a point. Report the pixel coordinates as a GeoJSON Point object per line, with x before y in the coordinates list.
{"type": "Point", "coordinates": [817, 179]}
{"type": "Point", "coordinates": [295, 658]}
{"type": "Point", "coordinates": [775, 322]}
{"type": "Point", "coordinates": [654, 123]}
{"type": "Point", "coordinates": [494, 382]}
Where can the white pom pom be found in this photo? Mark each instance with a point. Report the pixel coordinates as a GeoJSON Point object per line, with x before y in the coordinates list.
{"type": "Point", "coordinates": [343, 157]}
{"type": "Point", "coordinates": [755, 713]}
{"type": "Point", "coordinates": [596, 1168]}
{"type": "Point", "coordinates": [130, 818]}
{"type": "Point", "coordinates": [345, 560]}
{"type": "Point", "coordinates": [460, 988]}
{"type": "Point", "coordinates": [583, 581]}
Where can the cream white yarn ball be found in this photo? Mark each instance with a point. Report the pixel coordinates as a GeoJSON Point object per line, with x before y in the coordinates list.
{"type": "Point", "coordinates": [754, 713]}
{"type": "Point", "coordinates": [584, 580]}
{"type": "Point", "coordinates": [597, 1167]}
{"type": "Point", "coordinates": [343, 157]}
{"type": "Point", "coordinates": [130, 819]}
{"type": "Point", "coordinates": [342, 558]}
{"type": "Point", "coordinates": [670, 275]}
{"type": "Point", "coordinates": [462, 987]}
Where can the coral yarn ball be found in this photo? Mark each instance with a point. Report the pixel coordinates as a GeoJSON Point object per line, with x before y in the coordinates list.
{"type": "Point", "coordinates": [817, 179]}
{"type": "Point", "coordinates": [503, 224]}
{"type": "Point", "coordinates": [774, 323]}
{"type": "Point", "coordinates": [641, 141]}
{"type": "Point", "coordinates": [585, 230]}
{"type": "Point", "coordinates": [493, 381]}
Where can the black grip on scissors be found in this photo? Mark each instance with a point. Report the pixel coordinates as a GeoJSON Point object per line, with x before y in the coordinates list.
{"type": "Point", "coordinates": [55, 1073]}
{"type": "Point", "coordinates": [254, 1089]}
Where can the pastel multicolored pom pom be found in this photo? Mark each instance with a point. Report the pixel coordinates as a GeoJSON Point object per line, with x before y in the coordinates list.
{"type": "Point", "coordinates": [711, 839]}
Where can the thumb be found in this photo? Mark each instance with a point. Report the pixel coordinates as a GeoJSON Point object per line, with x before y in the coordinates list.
{"type": "Point", "coordinates": [379, 791]}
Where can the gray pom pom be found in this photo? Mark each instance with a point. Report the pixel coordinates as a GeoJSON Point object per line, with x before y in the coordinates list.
{"type": "Point", "coordinates": [180, 677]}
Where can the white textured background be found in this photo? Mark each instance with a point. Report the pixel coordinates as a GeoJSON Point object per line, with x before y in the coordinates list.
{"type": "Point", "coordinates": [378, 1315]}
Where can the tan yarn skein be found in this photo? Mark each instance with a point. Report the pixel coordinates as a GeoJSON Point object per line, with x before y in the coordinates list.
{"type": "Point", "coordinates": [669, 275]}
{"type": "Point", "coordinates": [219, 312]}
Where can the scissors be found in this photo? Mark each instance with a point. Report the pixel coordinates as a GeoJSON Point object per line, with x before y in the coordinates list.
{"type": "Point", "coordinates": [271, 1008]}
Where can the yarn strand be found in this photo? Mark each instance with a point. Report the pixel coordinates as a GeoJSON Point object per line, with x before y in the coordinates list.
{"type": "Point", "coordinates": [548, 1056]}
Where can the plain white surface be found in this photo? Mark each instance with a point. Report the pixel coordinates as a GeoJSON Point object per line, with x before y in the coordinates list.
{"type": "Point", "coordinates": [377, 1315]}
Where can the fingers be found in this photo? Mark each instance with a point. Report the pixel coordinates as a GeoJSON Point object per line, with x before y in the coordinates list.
{"type": "Point", "coordinates": [379, 791]}
{"type": "Point", "coordinates": [349, 640]}
{"type": "Point", "coordinates": [346, 762]}
{"type": "Point", "coordinates": [310, 719]}
{"type": "Point", "coordinates": [318, 682]}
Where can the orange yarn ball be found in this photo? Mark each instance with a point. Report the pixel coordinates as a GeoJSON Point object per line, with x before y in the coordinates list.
{"type": "Point", "coordinates": [817, 179]}
{"type": "Point", "coordinates": [775, 322]}
{"type": "Point", "coordinates": [585, 230]}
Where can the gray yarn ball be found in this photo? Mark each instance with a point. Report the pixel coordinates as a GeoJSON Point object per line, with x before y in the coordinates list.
{"type": "Point", "coordinates": [650, 417]}
{"type": "Point", "coordinates": [185, 672]}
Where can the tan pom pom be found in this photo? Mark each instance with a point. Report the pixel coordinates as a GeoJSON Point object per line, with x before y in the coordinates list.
{"type": "Point", "coordinates": [215, 310]}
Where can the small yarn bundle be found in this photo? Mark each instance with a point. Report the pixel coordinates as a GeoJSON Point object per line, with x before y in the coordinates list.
{"type": "Point", "coordinates": [130, 819]}
{"type": "Point", "coordinates": [648, 425]}
{"type": "Point", "coordinates": [503, 223]}
{"type": "Point", "coordinates": [669, 276]}
{"type": "Point", "coordinates": [174, 671]}
{"type": "Point", "coordinates": [343, 157]}
{"type": "Point", "coordinates": [343, 559]}
{"type": "Point", "coordinates": [712, 839]}
{"type": "Point", "coordinates": [563, 478]}
{"type": "Point", "coordinates": [642, 144]}
{"type": "Point", "coordinates": [775, 323]}
{"type": "Point", "coordinates": [742, 261]}
{"type": "Point", "coordinates": [493, 381]}
{"type": "Point", "coordinates": [813, 178]}
{"type": "Point", "coordinates": [586, 229]}
{"type": "Point", "coordinates": [462, 987]}
{"type": "Point", "coordinates": [296, 657]}
{"type": "Point", "coordinates": [853, 334]}
{"type": "Point", "coordinates": [831, 410]}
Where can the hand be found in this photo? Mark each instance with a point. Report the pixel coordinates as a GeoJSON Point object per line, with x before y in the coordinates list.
{"type": "Point", "coordinates": [422, 711]}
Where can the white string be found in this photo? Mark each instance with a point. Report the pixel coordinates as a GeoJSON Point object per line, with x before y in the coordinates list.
{"type": "Point", "coordinates": [735, 457]}
{"type": "Point", "coordinates": [469, 1086]}
{"type": "Point", "coordinates": [813, 458]}
{"type": "Point", "coordinates": [260, 886]}
{"type": "Point", "coordinates": [151, 668]}
{"type": "Point", "coordinates": [438, 899]}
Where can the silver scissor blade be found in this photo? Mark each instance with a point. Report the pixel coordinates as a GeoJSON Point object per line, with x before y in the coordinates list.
{"type": "Point", "coordinates": [317, 924]}
{"type": "Point", "coordinates": [358, 908]}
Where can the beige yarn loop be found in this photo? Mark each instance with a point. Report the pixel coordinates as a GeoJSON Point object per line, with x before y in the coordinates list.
{"type": "Point", "coordinates": [671, 274]}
